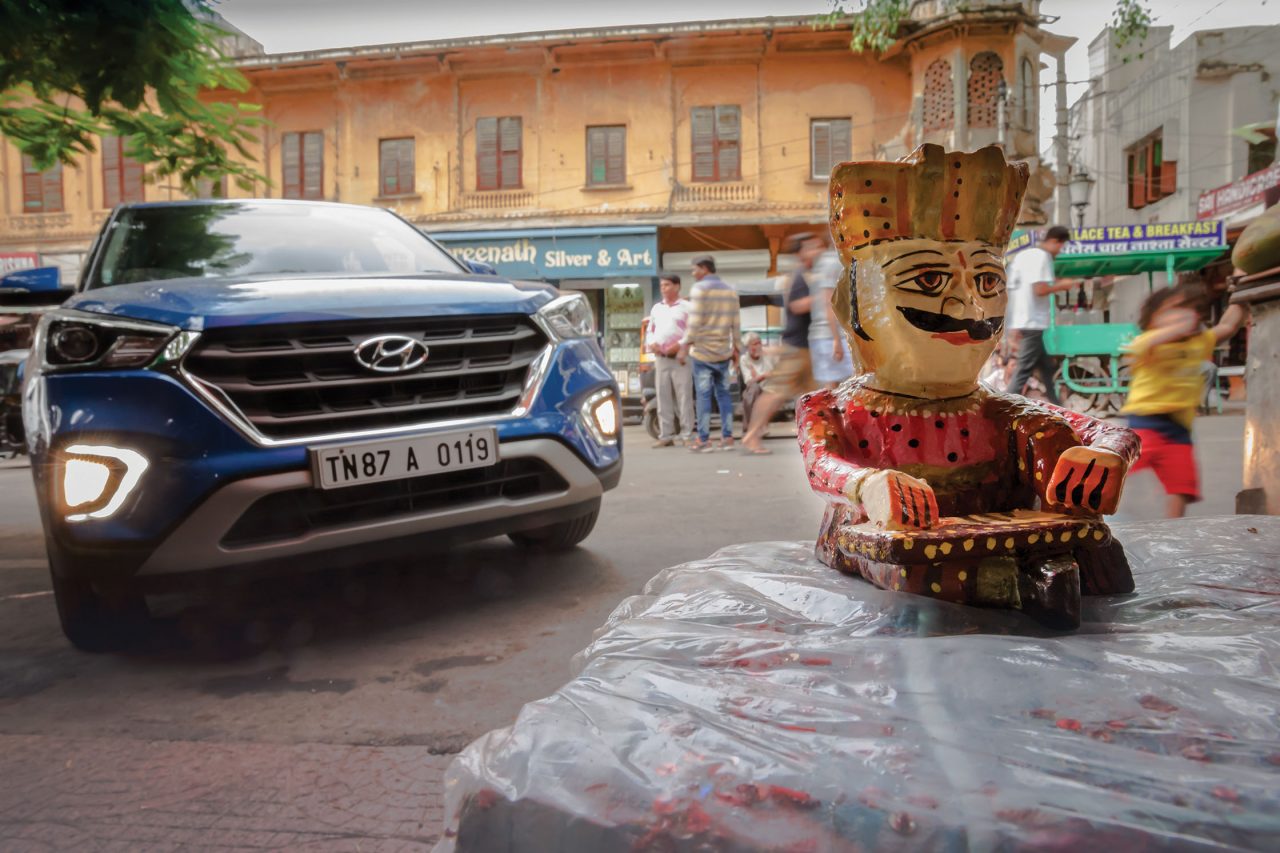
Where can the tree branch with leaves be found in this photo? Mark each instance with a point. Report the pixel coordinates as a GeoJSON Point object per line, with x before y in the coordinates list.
{"type": "Point", "coordinates": [72, 71]}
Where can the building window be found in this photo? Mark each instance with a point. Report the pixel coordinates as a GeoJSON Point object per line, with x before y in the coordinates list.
{"type": "Point", "coordinates": [211, 187]}
{"type": "Point", "coordinates": [499, 144]}
{"type": "Point", "coordinates": [302, 164]}
{"type": "Point", "coordinates": [1027, 96]}
{"type": "Point", "coordinates": [830, 143]}
{"type": "Point", "coordinates": [1150, 176]}
{"type": "Point", "coordinates": [939, 96]}
{"type": "Point", "coordinates": [121, 174]}
{"type": "Point", "coordinates": [986, 73]}
{"type": "Point", "coordinates": [1262, 153]}
{"type": "Point", "coordinates": [717, 146]}
{"type": "Point", "coordinates": [395, 167]}
{"type": "Point", "coordinates": [606, 155]}
{"type": "Point", "coordinates": [41, 191]}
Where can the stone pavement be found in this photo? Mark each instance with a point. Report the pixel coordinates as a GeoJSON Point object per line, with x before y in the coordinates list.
{"type": "Point", "coordinates": [127, 795]}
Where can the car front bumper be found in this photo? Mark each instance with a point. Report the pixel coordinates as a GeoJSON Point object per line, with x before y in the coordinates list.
{"type": "Point", "coordinates": [205, 475]}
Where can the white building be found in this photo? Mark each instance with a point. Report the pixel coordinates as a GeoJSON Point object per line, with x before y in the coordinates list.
{"type": "Point", "coordinates": [1163, 125]}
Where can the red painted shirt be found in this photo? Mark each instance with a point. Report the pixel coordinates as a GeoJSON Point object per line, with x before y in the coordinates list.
{"type": "Point", "coordinates": [985, 452]}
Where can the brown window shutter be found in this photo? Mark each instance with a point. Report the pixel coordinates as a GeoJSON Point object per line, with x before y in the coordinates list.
{"type": "Point", "coordinates": [388, 168]}
{"type": "Point", "coordinates": [597, 171]}
{"type": "Point", "coordinates": [131, 178]}
{"type": "Point", "coordinates": [32, 189]}
{"type": "Point", "coordinates": [616, 155]}
{"type": "Point", "coordinates": [819, 149]}
{"type": "Point", "coordinates": [1168, 177]}
{"type": "Point", "coordinates": [110, 171]}
{"type": "Point", "coordinates": [51, 189]}
{"type": "Point", "coordinates": [841, 142]}
{"type": "Point", "coordinates": [703, 158]}
{"type": "Point", "coordinates": [407, 168]}
{"type": "Point", "coordinates": [510, 137]}
{"type": "Point", "coordinates": [1153, 175]}
{"type": "Point", "coordinates": [313, 165]}
{"type": "Point", "coordinates": [486, 154]}
{"type": "Point", "coordinates": [291, 165]}
{"type": "Point", "coordinates": [728, 146]}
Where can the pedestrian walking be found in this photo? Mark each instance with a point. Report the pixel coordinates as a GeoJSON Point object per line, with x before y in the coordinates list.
{"type": "Point", "coordinates": [1031, 285]}
{"type": "Point", "coordinates": [673, 375]}
{"type": "Point", "coordinates": [754, 368]}
{"type": "Point", "coordinates": [711, 341]}
{"type": "Point", "coordinates": [793, 373]}
{"type": "Point", "coordinates": [829, 351]}
{"type": "Point", "coordinates": [1167, 360]}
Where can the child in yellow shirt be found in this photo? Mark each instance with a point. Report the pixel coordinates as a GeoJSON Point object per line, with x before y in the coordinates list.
{"type": "Point", "coordinates": [1167, 362]}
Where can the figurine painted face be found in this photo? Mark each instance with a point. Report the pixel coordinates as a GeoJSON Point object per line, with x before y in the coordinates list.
{"type": "Point", "coordinates": [925, 237]}
{"type": "Point", "coordinates": [928, 309]}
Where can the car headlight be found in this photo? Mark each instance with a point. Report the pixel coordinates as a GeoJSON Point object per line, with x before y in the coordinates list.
{"type": "Point", "coordinates": [77, 340]}
{"type": "Point", "coordinates": [602, 415]}
{"type": "Point", "coordinates": [568, 317]}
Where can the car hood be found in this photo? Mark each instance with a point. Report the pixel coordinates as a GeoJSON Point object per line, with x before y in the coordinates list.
{"type": "Point", "coordinates": [196, 304]}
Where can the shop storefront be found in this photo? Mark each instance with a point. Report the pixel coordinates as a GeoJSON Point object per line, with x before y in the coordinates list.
{"type": "Point", "coordinates": [615, 268]}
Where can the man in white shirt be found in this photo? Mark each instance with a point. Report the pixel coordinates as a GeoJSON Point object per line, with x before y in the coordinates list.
{"type": "Point", "coordinates": [668, 321]}
{"type": "Point", "coordinates": [1031, 286]}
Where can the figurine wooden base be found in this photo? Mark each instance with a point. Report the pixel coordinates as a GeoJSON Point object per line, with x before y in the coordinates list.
{"type": "Point", "coordinates": [1037, 562]}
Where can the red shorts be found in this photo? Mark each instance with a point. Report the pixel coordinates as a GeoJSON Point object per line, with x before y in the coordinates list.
{"type": "Point", "coordinates": [1174, 463]}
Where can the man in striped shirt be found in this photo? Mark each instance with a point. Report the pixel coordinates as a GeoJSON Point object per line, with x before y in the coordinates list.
{"type": "Point", "coordinates": [712, 342]}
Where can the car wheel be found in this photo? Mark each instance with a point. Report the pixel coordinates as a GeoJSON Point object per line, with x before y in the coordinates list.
{"type": "Point", "coordinates": [560, 536]}
{"type": "Point", "coordinates": [651, 423]}
{"type": "Point", "coordinates": [98, 620]}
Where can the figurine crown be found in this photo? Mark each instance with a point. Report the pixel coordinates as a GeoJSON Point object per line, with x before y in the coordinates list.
{"type": "Point", "coordinates": [930, 194]}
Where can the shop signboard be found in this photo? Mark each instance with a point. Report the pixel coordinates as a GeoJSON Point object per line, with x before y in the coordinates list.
{"type": "Point", "coordinates": [1260, 188]}
{"type": "Point", "coordinates": [560, 253]}
{"type": "Point", "coordinates": [1119, 239]}
{"type": "Point", "coordinates": [14, 261]}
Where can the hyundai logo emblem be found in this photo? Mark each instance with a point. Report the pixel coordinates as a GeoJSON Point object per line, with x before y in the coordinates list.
{"type": "Point", "coordinates": [391, 354]}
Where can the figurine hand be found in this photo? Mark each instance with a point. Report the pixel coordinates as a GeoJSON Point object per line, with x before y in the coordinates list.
{"type": "Point", "coordinates": [1087, 478]}
{"type": "Point", "coordinates": [896, 501]}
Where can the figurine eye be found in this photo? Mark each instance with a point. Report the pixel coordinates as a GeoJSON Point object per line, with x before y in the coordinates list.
{"type": "Point", "coordinates": [928, 282]}
{"type": "Point", "coordinates": [988, 283]}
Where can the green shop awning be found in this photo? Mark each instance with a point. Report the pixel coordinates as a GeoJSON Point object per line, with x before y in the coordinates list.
{"type": "Point", "coordinates": [1133, 263]}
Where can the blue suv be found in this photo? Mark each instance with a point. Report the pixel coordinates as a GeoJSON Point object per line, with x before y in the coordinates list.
{"type": "Point", "coordinates": [266, 383]}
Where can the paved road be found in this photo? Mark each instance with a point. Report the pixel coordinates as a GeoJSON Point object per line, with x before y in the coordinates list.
{"type": "Point", "coordinates": [323, 710]}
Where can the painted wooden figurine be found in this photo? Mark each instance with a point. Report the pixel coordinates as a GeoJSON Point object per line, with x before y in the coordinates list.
{"type": "Point", "coordinates": [935, 484]}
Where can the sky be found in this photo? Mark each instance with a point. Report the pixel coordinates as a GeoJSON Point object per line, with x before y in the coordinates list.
{"type": "Point", "coordinates": [295, 25]}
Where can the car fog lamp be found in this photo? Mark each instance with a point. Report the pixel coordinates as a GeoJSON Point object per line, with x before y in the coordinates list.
{"type": "Point", "coordinates": [97, 479]}
{"type": "Point", "coordinates": [84, 481]}
{"type": "Point", "coordinates": [606, 415]}
{"type": "Point", "coordinates": [75, 344]}
{"type": "Point", "coordinates": [602, 417]}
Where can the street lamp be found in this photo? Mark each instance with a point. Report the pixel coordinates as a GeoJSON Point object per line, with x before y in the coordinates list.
{"type": "Point", "coordinates": [1079, 187]}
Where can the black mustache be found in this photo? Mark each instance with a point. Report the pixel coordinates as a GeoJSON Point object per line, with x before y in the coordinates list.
{"type": "Point", "coordinates": [979, 330]}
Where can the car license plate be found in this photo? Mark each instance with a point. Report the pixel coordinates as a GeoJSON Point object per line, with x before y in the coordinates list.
{"type": "Point", "coordinates": [342, 465]}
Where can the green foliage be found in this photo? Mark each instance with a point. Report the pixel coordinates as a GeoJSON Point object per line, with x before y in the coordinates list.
{"type": "Point", "coordinates": [874, 22]}
{"type": "Point", "coordinates": [74, 70]}
{"type": "Point", "coordinates": [1129, 22]}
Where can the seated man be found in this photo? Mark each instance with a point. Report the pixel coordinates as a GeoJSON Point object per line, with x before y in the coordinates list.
{"type": "Point", "coordinates": [912, 449]}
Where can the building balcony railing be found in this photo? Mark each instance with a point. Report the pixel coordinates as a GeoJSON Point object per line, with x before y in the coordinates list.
{"type": "Point", "coordinates": [497, 200]}
{"type": "Point", "coordinates": [717, 192]}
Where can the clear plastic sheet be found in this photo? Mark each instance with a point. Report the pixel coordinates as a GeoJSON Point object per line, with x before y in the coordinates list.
{"type": "Point", "coordinates": [757, 700]}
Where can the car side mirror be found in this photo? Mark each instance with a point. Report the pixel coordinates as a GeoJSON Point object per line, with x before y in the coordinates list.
{"type": "Point", "coordinates": [39, 286]}
{"type": "Point", "coordinates": [480, 268]}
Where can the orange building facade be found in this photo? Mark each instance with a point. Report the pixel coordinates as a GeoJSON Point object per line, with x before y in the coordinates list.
{"type": "Point", "coordinates": [548, 154]}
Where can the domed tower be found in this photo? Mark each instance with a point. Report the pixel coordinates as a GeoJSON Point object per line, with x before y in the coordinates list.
{"type": "Point", "coordinates": [976, 81]}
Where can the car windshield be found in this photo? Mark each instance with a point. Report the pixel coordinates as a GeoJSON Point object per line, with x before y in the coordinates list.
{"type": "Point", "coordinates": [262, 239]}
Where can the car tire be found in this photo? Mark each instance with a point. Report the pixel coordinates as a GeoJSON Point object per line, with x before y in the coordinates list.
{"type": "Point", "coordinates": [99, 620]}
{"type": "Point", "coordinates": [651, 425]}
{"type": "Point", "coordinates": [560, 536]}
